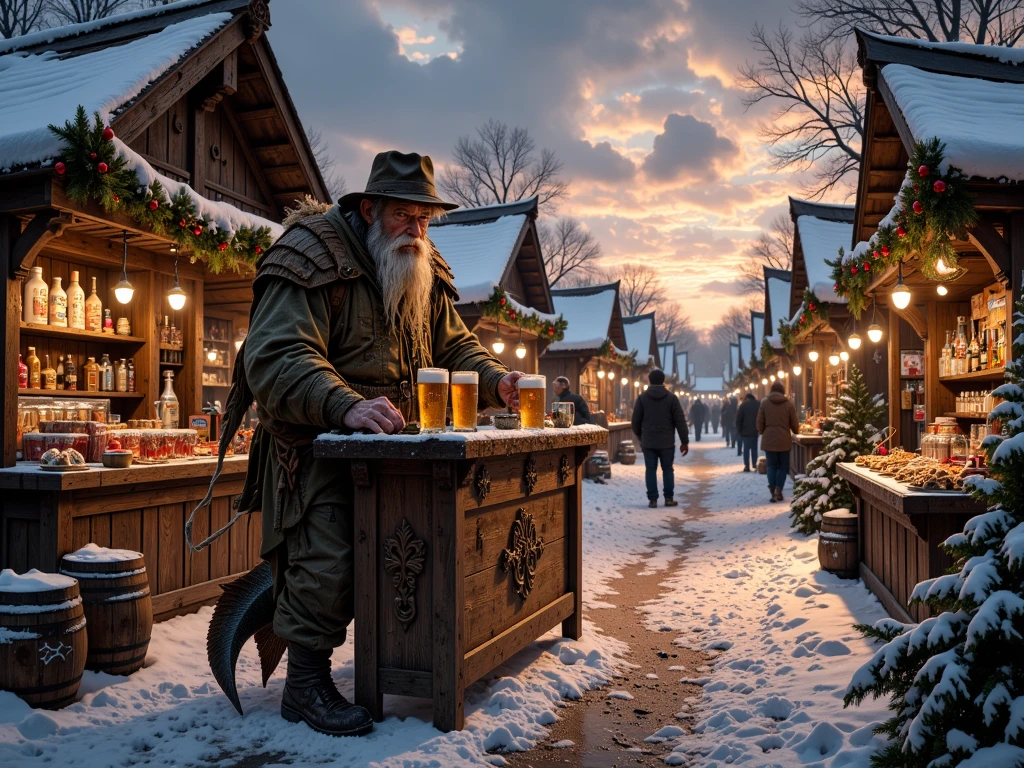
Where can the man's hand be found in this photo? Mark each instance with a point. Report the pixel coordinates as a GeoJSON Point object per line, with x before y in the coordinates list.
{"type": "Point", "coordinates": [508, 391]}
{"type": "Point", "coordinates": [377, 415]}
{"type": "Point", "coordinates": [684, 449]}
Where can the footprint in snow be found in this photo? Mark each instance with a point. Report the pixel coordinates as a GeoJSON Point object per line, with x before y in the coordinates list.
{"type": "Point", "coordinates": [833, 648]}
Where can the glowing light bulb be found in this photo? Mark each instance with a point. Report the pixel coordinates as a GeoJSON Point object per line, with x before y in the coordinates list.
{"type": "Point", "coordinates": [520, 350]}
{"type": "Point", "coordinates": [772, 378]}
{"type": "Point", "coordinates": [797, 369]}
{"type": "Point", "coordinates": [901, 294]}
{"type": "Point", "coordinates": [211, 355]}
{"type": "Point", "coordinates": [844, 355]}
{"type": "Point", "coordinates": [645, 387]}
{"type": "Point", "coordinates": [636, 384]}
{"type": "Point", "coordinates": [941, 290]}
{"type": "Point", "coordinates": [833, 360]}
{"type": "Point", "coordinates": [176, 297]}
{"type": "Point", "coordinates": [764, 382]}
{"type": "Point", "coordinates": [875, 333]}
{"type": "Point", "coordinates": [498, 345]}
{"type": "Point", "coordinates": [813, 355]}
{"type": "Point", "coordinates": [124, 291]}
{"type": "Point", "coordinates": [854, 341]}
{"type": "Point", "coordinates": [623, 381]}
{"type": "Point", "coordinates": [600, 374]}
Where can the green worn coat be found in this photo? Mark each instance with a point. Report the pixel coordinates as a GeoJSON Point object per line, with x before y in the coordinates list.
{"type": "Point", "coordinates": [317, 339]}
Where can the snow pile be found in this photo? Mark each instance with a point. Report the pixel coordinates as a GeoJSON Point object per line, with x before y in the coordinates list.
{"type": "Point", "coordinates": [751, 592]}
{"type": "Point", "coordinates": [1000, 53]}
{"type": "Point", "coordinates": [93, 553]}
{"type": "Point", "coordinates": [478, 254]}
{"type": "Point", "coordinates": [978, 120]}
{"type": "Point", "coordinates": [32, 581]}
{"type": "Point", "coordinates": [820, 240]}
{"type": "Point", "coordinates": [39, 89]}
{"type": "Point", "coordinates": [589, 318]}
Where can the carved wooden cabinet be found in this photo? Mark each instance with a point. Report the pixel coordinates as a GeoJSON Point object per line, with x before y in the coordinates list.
{"type": "Point", "coordinates": [467, 548]}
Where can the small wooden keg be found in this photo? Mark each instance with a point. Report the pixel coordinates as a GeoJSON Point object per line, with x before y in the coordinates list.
{"type": "Point", "coordinates": [627, 452]}
{"type": "Point", "coordinates": [837, 544]}
{"type": "Point", "coordinates": [43, 643]}
{"type": "Point", "coordinates": [118, 606]}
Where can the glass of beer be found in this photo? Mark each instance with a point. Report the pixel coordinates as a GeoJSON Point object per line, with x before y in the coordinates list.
{"type": "Point", "coordinates": [465, 394]}
{"type": "Point", "coordinates": [532, 394]}
{"type": "Point", "coordinates": [432, 391]}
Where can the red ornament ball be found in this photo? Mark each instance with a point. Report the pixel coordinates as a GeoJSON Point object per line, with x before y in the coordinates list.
{"type": "Point", "coordinates": [918, 208]}
{"type": "Point", "coordinates": [551, 331]}
{"type": "Point", "coordinates": [867, 266]}
{"type": "Point", "coordinates": [153, 204]}
{"type": "Point", "coordinates": [883, 451]}
{"type": "Point", "coordinates": [101, 167]}
{"type": "Point", "coordinates": [923, 171]}
{"type": "Point", "coordinates": [222, 246]}
{"type": "Point", "coordinates": [92, 155]}
{"type": "Point", "coordinates": [875, 254]}
{"type": "Point", "coordinates": [181, 223]}
{"type": "Point", "coordinates": [117, 199]}
{"type": "Point", "coordinates": [836, 287]}
{"type": "Point", "coordinates": [812, 306]}
{"type": "Point", "coordinates": [885, 250]}
{"type": "Point", "coordinates": [501, 302]}
{"type": "Point", "coordinates": [108, 134]}
{"type": "Point", "coordinates": [258, 250]}
{"type": "Point", "coordinates": [197, 230]}
{"type": "Point", "coordinates": [853, 270]}
{"type": "Point", "coordinates": [939, 186]}
{"type": "Point", "coordinates": [60, 168]}
{"type": "Point", "coordinates": [511, 315]}
{"type": "Point", "coordinates": [901, 232]}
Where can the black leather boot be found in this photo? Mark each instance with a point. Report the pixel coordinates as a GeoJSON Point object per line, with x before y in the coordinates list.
{"type": "Point", "coordinates": [310, 696]}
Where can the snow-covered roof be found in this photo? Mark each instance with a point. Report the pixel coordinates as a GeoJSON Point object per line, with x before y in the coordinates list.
{"type": "Point", "coordinates": [745, 349]}
{"type": "Point", "coordinates": [708, 384]}
{"type": "Point", "coordinates": [682, 365]}
{"type": "Point", "coordinates": [639, 332]}
{"type": "Point", "coordinates": [778, 300]}
{"type": "Point", "coordinates": [757, 330]}
{"type": "Point", "coordinates": [589, 317]}
{"type": "Point", "coordinates": [43, 88]}
{"type": "Point", "coordinates": [734, 358]}
{"type": "Point", "coordinates": [478, 254]}
{"type": "Point", "coordinates": [667, 353]}
{"type": "Point", "coordinates": [692, 367]}
{"type": "Point", "coordinates": [978, 120]}
{"type": "Point", "coordinates": [1000, 53]}
{"type": "Point", "coordinates": [820, 240]}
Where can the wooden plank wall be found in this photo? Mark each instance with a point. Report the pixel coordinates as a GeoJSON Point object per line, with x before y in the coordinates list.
{"type": "Point", "coordinates": [231, 171]}
{"type": "Point", "coordinates": [165, 141]}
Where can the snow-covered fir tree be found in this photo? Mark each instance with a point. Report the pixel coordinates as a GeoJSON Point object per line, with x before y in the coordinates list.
{"type": "Point", "coordinates": [858, 418]}
{"type": "Point", "coordinates": [955, 681]}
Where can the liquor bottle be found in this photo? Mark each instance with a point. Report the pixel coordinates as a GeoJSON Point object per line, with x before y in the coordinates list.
{"type": "Point", "coordinates": [983, 343]}
{"type": "Point", "coordinates": [33, 369]}
{"type": "Point", "coordinates": [173, 336]}
{"type": "Point", "coordinates": [36, 303]}
{"type": "Point", "coordinates": [93, 311]}
{"type": "Point", "coordinates": [92, 375]}
{"type": "Point", "coordinates": [106, 374]}
{"type": "Point", "coordinates": [48, 375]}
{"type": "Point", "coordinates": [58, 305]}
{"type": "Point", "coordinates": [22, 374]}
{"type": "Point", "coordinates": [60, 372]}
{"type": "Point", "coordinates": [960, 346]}
{"type": "Point", "coordinates": [1001, 345]}
{"type": "Point", "coordinates": [108, 322]}
{"type": "Point", "coordinates": [131, 375]}
{"type": "Point", "coordinates": [70, 375]}
{"type": "Point", "coordinates": [974, 354]}
{"type": "Point", "coordinates": [165, 332]}
{"type": "Point", "coordinates": [946, 359]}
{"type": "Point", "coordinates": [169, 402]}
{"type": "Point", "coordinates": [122, 376]}
{"type": "Point", "coordinates": [993, 348]}
{"type": "Point", "coordinates": [76, 303]}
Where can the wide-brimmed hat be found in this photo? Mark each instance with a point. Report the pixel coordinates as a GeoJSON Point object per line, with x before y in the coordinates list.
{"type": "Point", "coordinates": [399, 176]}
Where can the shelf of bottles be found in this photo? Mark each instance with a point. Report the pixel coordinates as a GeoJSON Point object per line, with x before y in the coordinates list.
{"type": "Point", "coordinates": [172, 344]}
{"type": "Point", "coordinates": [975, 351]}
{"type": "Point", "coordinates": [217, 359]}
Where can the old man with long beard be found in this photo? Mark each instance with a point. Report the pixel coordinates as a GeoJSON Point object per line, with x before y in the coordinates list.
{"type": "Point", "coordinates": [348, 306]}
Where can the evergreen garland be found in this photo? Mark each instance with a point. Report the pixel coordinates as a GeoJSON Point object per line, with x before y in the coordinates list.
{"type": "Point", "coordinates": [857, 422]}
{"type": "Point", "coordinates": [608, 352]}
{"type": "Point", "coordinates": [498, 308]}
{"type": "Point", "coordinates": [932, 210]}
{"type": "Point", "coordinates": [812, 311]}
{"type": "Point", "coordinates": [93, 170]}
{"type": "Point", "coordinates": [767, 351]}
{"type": "Point", "coordinates": [955, 681]}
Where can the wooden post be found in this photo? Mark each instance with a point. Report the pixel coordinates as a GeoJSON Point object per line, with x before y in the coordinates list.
{"type": "Point", "coordinates": [572, 627]}
{"type": "Point", "coordinates": [367, 683]}
{"type": "Point", "coordinates": [11, 319]}
{"type": "Point", "coordinates": [447, 597]}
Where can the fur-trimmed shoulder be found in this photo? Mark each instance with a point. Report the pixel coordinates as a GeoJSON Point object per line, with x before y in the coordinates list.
{"type": "Point", "coordinates": [310, 253]}
{"type": "Point", "coordinates": [444, 274]}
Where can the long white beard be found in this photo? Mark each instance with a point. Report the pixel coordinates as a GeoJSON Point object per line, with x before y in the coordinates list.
{"type": "Point", "coordinates": [406, 279]}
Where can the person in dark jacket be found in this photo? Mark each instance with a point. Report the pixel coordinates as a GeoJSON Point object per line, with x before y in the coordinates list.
{"type": "Point", "coordinates": [729, 421]}
{"type": "Point", "coordinates": [657, 417]}
{"type": "Point", "coordinates": [746, 428]}
{"type": "Point", "coordinates": [716, 414]}
{"type": "Point", "coordinates": [566, 395]}
{"type": "Point", "coordinates": [698, 415]}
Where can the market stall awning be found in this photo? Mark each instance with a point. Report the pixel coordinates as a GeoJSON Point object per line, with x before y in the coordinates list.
{"type": "Point", "coordinates": [667, 354]}
{"type": "Point", "coordinates": [734, 360]}
{"type": "Point", "coordinates": [640, 336]}
{"type": "Point", "coordinates": [746, 349]}
{"type": "Point", "coordinates": [756, 332]}
{"type": "Point", "coordinates": [777, 287]}
{"type": "Point", "coordinates": [593, 315]}
{"type": "Point", "coordinates": [820, 231]}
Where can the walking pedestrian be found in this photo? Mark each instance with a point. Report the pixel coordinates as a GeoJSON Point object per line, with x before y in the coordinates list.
{"type": "Point", "coordinates": [564, 394]}
{"type": "Point", "coordinates": [657, 417]}
{"type": "Point", "coordinates": [746, 429]}
{"type": "Point", "coordinates": [716, 414]}
{"type": "Point", "coordinates": [698, 415]}
{"type": "Point", "coordinates": [777, 422]}
{"type": "Point", "coordinates": [729, 421]}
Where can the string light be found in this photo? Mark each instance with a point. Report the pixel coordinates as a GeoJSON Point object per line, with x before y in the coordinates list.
{"type": "Point", "coordinates": [813, 355]}
{"type": "Point", "coordinates": [900, 293]}
{"type": "Point", "coordinates": [600, 374]}
{"type": "Point", "coordinates": [498, 345]}
{"type": "Point", "coordinates": [875, 332]}
{"type": "Point", "coordinates": [797, 369]}
{"type": "Point", "coordinates": [942, 290]}
{"type": "Point", "coordinates": [520, 347]}
{"type": "Point", "coordinates": [176, 297]}
{"type": "Point", "coordinates": [124, 290]}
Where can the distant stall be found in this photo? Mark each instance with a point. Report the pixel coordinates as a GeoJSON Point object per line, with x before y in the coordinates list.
{"type": "Point", "coordinates": [667, 355]}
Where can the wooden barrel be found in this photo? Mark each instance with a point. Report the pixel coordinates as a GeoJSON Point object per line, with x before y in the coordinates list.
{"type": "Point", "coordinates": [626, 452]}
{"type": "Point", "coordinates": [118, 607]}
{"type": "Point", "coordinates": [43, 642]}
{"type": "Point", "coordinates": [837, 544]}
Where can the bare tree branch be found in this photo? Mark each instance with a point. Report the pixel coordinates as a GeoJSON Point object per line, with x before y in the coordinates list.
{"type": "Point", "coordinates": [773, 248]}
{"type": "Point", "coordinates": [501, 165]}
{"type": "Point", "coordinates": [640, 288]}
{"type": "Point", "coordinates": [672, 325]}
{"type": "Point", "coordinates": [568, 247]}
{"type": "Point", "coordinates": [19, 17]}
{"type": "Point", "coordinates": [732, 324]}
{"type": "Point", "coordinates": [77, 11]}
{"type": "Point", "coordinates": [336, 184]}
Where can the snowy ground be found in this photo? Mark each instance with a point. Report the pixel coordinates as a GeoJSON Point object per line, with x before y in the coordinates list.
{"type": "Point", "coordinates": [773, 696]}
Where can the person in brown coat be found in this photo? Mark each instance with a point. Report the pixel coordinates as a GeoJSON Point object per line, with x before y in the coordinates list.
{"type": "Point", "coordinates": [777, 422]}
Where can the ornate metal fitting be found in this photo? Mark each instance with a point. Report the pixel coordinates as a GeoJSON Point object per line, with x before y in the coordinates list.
{"type": "Point", "coordinates": [404, 555]}
{"type": "Point", "coordinates": [524, 550]}
{"type": "Point", "coordinates": [564, 470]}
{"type": "Point", "coordinates": [483, 482]}
{"type": "Point", "coordinates": [530, 474]}
{"type": "Point", "coordinates": [259, 20]}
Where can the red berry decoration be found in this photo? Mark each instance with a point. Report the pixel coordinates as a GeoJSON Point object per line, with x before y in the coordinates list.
{"type": "Point", "coordinates": [853, 270]}
{"type": "Point", "coordinates": [181, 223]}
{"type": "Point", "coordinates": [923, 171]}
{"type": "Point", "coordinates": [836, 287]}
{"type": "Point", "coordinates": [551, 331]}
{"type": "Point", "coordinates": [197, 230]}
{"type": "Point", "coordinates": [501, 302]}
{"type": "Point", "coordinates": [812, 306]}
{"type": "Point", "coordinates": [60, 168]}
{"type": "Point", "coordinates": [222, 246]}
{"type": "Point", "coordinates": [101, 167]}
{"type": "Point", "coordinates": [258, 250]}
{"type": "Point", "coordinates": [92, 155]}
{"type": "Point", "coordinates": [108, 134]}
{"type": "Point", "coordinates": [867, 267]}
{"type": "Point", "coordinates": [875, 254]}
{"type": "Point", "coordinates": [885, 250]}
{"type": "Point", "coordinates": [939, 186]}
{"type": "Point", "coordinates": [901, 232]}
{"type": "Point", "coordinates": [918, 208]}
{"type": "Point", "coordinates": [511, 315]}
{"type": "Point", "coordinates": [117, 199]}
{"type": "Point", "coordinates": [153, 204]}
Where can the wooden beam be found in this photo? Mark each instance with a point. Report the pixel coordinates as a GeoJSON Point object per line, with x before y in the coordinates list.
{"type": "Point", "coordinates": [993, 247]}
{"type": "Point", "coordinates": [906, 135]}
{"type": "Point", "coordinates": [915, 319]}
{"type": "Point", "coordinates": [131, 123]}
{"type": "Point", "coordinates": [45, 226]}
{"type": "Point", "coordinates": [254, 164]}
{"type": "Point", "coordinates": [1017, 255]}
{"type": "Point", "coordinates": [257, 115]}
{"type": "Point", "coordinates": [76, 245]}
{"type": "Point", "coordinates": [20, 193]}
{"type": "Point", "coordinates": [226, 192]}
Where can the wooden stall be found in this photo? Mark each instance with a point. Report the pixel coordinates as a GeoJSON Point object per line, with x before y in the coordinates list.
{"type": "Point", "coordinates": [496, 248]}
{"type": "Point", "coordinates": [901, 529]}
{"type": "Point", "coordinates": [667, 356]}
{"type": "Point", "coordinates": [468, 549]}
{"type": "Point", "coordinates": [218, 124]}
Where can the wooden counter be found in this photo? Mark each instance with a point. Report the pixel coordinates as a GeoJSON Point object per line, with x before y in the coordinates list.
{"type": "Point", "coordinates": [805, 448]}
{"type": "Point", "coordinates": [900, 531]}
{"type": "Point", "coordinates": [618, 432]}
{"type": "Point", "coordinates": [45, 515]}
{"type": "Point", "coordinates": [468, 548]}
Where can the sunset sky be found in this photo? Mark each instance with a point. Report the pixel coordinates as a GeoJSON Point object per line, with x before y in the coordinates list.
{"type": "Point", "coordinates": [637, 97]}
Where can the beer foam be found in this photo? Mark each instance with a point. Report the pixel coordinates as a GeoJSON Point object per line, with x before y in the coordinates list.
{"type": "Point", "coordinates": [531, 382]}
{"type": "Point", "coordinates": [432, 376]}
{"type": "Point", "coordinates": [465, 377]}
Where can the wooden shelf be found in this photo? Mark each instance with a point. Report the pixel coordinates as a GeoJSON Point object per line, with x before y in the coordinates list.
{"type": "Point", "coordinates": [989, 374]}
{"type": "Point", "coordinates": [73, 334]}
{"type": "Point", "coordinates": [972, 416]}
{"type": "Point", "coordinates": [171, 348]}
{"type": "Point", "coordinates": [75, 394]}
{"type": "Point", "coordinates": [215, 341]}
{"type": "Point", "coordinates": [213, 365]}
{"type": "Point", "coordinates": [217, 386]}
{"type": "Point", "coordinates": [165, 364]}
